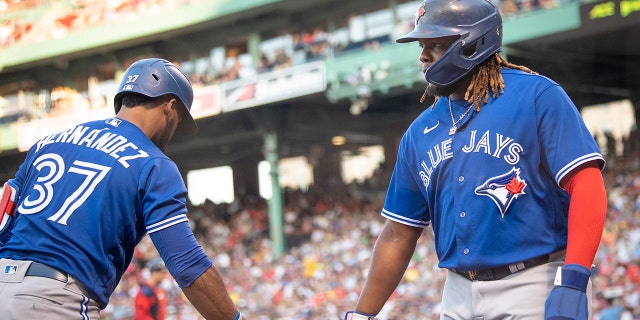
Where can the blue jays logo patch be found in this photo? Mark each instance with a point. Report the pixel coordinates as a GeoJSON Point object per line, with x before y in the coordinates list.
{"type": "Point", "coordinates": [503, 189]}
{"type": "Point", "coordinates": [113, 121]}
{"type": "Point", "coordinates": [420, 12]}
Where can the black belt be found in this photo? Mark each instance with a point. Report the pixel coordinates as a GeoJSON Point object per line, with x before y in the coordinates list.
{"type": "Point", "coordinates": [501, 272]}
{"type": "Point", "coordinates": [37, 269]}
{"type": "Point", "coordinates": [42, 270]}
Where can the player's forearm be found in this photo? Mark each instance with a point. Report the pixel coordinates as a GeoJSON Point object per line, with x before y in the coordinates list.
{"type": "Point", "coordinates": [587, 212]}
{"type": "Point", "coordinates": [391, 255]}
{"type": "Point", "coordinates": [209, 296]}
{"type": "Point", "coordinates": [384, 276]}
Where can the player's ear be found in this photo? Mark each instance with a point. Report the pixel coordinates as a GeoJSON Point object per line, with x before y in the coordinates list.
{"type": "Point", "coordinates": [173, 105]}
{"type": "Point", "coordinates": [168, 105]}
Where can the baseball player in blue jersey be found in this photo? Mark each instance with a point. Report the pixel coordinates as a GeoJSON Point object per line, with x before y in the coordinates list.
{"type": "Point", "coordinates": [85, 197]}
{"type": "Point", "coordinates": [505, 172]}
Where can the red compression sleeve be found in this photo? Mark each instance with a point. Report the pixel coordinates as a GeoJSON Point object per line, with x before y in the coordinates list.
{"type": "Point", "coordinates": [7, 200]}
{"type": "Point", "coordinates": [587, 213]}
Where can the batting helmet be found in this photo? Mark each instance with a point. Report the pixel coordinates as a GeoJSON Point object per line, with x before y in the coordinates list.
{"type": "Point", "coordinates": [156, 77]}
{"type": "Point", "coordinates": [478, 25]}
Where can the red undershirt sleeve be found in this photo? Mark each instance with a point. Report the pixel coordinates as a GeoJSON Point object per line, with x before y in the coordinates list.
{"type": "Point", "coordinates": [587, 213]}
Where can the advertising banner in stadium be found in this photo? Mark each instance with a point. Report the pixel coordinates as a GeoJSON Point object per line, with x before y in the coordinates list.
{"type": "Point", "coordinates": [274, 86]}
{"type": "Point", "coordinates": [32, 131]}
{"type": "Point", "coordinates": [614, 13]}
{"type": "Point", "coordinates": [206, 102]}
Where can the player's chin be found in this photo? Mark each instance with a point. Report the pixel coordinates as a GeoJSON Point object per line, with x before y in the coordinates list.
{"type": "Point", "coordinates": [163, 140]}
{"type": "Point", "coordinates": [434, 90]}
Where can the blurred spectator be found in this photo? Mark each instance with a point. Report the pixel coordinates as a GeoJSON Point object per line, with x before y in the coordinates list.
{"type": "Point", "coordinates": [508, 7]}
{"type": "Point", "coordinates": [150, 301]}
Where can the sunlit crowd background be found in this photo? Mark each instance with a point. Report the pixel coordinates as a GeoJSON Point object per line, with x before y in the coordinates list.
{"type": "Point", "coordinates": [26, 22]}
{"type": "Point", "coordinates": [329, 233]}
{"type": "Point", "coordinates": [330, 236]}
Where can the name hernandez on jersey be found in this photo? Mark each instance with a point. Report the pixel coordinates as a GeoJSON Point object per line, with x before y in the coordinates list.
{"type": "Point", "coordinates": [96, 188]}
{"type": "Point", "coordinates": [110, 143]}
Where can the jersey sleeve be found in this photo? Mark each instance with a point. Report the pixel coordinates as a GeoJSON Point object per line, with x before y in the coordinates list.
{"type": "Point", "coordinates": [166, 222]}
{"type": "Point", "coordinates": [163, 195]}
{"type": "Point", "coordinates": [21, 175]}
{"type": "Point", "coordinates": [404, 201]}
{"type": "Point", "coordinates": [184, 257]}
{"type": "Point", "coordinates": [565, 139]}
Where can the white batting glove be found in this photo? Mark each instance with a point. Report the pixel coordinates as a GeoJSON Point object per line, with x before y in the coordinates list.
{"type": "Point", "coordinates": [355, 315]}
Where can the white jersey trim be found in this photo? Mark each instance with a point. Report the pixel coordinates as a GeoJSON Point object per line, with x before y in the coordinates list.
{"type": "Point", "coordinates": [167, 223]}
{"type": "Point", "coordinates": [575, 163]}
{"type": "Point", "coordinates": [404, 220]}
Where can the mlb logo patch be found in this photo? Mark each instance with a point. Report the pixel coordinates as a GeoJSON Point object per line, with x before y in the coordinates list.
{"type": "Point", "coordinates": [10, 269]}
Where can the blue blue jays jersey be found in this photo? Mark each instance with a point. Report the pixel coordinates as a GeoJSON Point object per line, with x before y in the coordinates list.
{"type": "Point", "coordinates": [491, 191]}
{"type": "Point", "coordinates": [88, 195]}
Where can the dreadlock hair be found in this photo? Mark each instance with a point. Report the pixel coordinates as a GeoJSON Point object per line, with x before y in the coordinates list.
{"type": "Point", "coordinates": [487, 78]}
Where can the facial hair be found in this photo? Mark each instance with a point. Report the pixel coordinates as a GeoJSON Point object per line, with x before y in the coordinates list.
{"type": "Point", "coordinates": [441, 91]}
{"type": "Point", "coordinates": [162, 140]}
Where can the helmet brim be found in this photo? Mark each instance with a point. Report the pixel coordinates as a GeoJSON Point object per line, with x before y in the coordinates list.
{"type": "Point", "coordinates": [415, 35]}
{"type": "Point", "coordinates": [429, 33]}
{"type": "Point", "coordinates": [187, 127]}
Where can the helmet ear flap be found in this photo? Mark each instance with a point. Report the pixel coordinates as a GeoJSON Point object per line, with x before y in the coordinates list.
{"type": "Point", "coordinates": [450, 67]}
{"type": "Point", "coordinates": [471, 50]}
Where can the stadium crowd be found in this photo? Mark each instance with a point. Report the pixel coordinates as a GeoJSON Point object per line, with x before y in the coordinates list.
{"type": "Point", "coordinates": [329, 234]}
{"type": "Point", "coordinates": [329, 241]}
{"type": "Point", "coordinates": [67, 17]}
{"type": "Point", "coordinates": [31, 21]}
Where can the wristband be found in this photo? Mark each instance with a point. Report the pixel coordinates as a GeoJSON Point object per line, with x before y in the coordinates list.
{"type": "Point", "coordinates": [238, 316]}
{"type": "Point", "coordinates": [355, 315]}
{"type": "Point", "coordinates": [573, 276]}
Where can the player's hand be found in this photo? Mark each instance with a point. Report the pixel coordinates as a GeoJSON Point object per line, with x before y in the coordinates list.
{"type": "Point", "coordinates": [569, 299]}
{"type": "Point", "coordinates": [355, 315]}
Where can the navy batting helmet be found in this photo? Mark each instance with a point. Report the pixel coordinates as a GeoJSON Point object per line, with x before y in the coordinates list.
{"type": "Point", "coordinates": [156, 77]}
{"type": "Point", "coordinates": [478, 25]}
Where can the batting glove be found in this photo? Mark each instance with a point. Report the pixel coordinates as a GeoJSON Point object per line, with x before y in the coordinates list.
{"type": "Point", "coordinates": [568, 300]}
{"type": "Point", "coordinates": [355, 315]}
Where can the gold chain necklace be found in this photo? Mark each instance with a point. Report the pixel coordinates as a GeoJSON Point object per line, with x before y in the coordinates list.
{"type": "Point", "coordinates": [454, 127]}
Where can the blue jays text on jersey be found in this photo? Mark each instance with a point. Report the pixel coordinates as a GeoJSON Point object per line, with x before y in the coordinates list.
{"type": "Point", "coordinates": [504, 148]}
{"type": "Point", "coordinates": [491, 191]}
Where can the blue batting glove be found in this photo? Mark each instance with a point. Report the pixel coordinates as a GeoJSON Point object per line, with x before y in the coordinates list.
{"type": "Point", "coordinates": [568, 301]}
